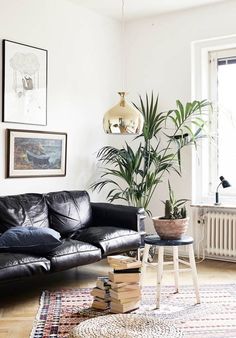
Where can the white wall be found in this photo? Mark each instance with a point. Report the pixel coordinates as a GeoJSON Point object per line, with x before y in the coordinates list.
{"type": "Point", "coordinates": [84, 75]}
{"type": "Point", "coordinates": [159, 59]}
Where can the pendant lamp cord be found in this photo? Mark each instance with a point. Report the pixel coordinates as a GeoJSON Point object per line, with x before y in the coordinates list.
{"type": "Point", "coordinates": [123, 47]}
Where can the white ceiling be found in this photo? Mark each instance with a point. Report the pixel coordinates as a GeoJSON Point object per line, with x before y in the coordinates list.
{"type": "Point", "coordinates": [136, 9]}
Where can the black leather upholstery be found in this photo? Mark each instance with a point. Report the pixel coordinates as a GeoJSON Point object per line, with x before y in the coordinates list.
{"type": "Point", "coordinates": [121, 216]}
{"type": "Point", "coordinates": [110, 239]}
{"type": "Point", "coordinates": [73, 253]}
{"type": "Point", "coordinates": [14, 266]}
{"type": "Point", "coordinates": [69, 211]}
{"type": "Point", "coordinates": [89, 231]}
{"type": "Point", "coordinates": [24, 210]}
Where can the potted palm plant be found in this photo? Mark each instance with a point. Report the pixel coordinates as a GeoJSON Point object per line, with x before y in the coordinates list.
{"type": "Point", "coordinates": [133, 173]}
{"type": "Point", "coordinates": [175, 222]}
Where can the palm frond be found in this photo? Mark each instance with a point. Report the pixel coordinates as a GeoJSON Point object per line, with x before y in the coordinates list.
{"type": "Point", "coordinates": [133, 173]}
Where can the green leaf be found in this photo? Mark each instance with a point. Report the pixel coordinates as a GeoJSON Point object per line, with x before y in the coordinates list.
{"type": "Point", "coordinates": [134, 171]}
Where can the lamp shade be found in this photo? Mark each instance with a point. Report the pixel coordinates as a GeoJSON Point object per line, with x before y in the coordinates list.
{"type": "Point", "coordinates": [123, 118]}
{"type": "Point", "coordinates": [225, 183]}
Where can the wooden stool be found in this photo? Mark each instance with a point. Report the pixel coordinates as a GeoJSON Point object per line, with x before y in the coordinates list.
{"type": "Point", "coordinates": [161, 243]}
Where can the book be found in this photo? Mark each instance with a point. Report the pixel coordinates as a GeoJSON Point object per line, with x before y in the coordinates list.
{"type": "Point", "coordinates": [125, 294]}
{"type": "Point", "coordinates": [123, 262]}
{"type": "Point", "coordinates": [126, 266]}
{"type": "Point", "coordinates": [128, 287]}
{"type": "Point", "coordinates": [120, 259]}
{"type": "Point", "coordinates": [119, 285]}
{"type": "Point", "coordinates": [99, 305]}
{"type": "Point", "coordinates": [121, 266]}
{"type": "Point", "coordinates": [96, 292]}
{"type": "Point", "coordinates": [116, 286]}
{"type": "Point", "coordinates": [124, 277]}
{"type": "Point", "coordinates": [126, 300]}
{"type": "Point", "coordinates": [101, 300]}
{"type": "Point", "coordinates": [135, 270]}
{"type": "Point", "coordinates": [122, 308]}
{"type": "Point", "coordinates": [102, 283]}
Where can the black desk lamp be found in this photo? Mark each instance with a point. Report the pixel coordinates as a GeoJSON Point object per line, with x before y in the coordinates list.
{"type": "Point", "coordinates": [225, 184]}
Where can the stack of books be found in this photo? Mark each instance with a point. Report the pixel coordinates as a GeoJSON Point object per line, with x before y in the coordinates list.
{"type": "Point", "coordinates": [125, 292]}
{"type": "Point", "coordinates": [101, 294]}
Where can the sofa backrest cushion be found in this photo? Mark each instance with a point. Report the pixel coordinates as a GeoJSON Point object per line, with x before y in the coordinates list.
{"type": "Point", "coordinates": [23, 210]}
{"type": "Point", "coordinates": [69, 211]}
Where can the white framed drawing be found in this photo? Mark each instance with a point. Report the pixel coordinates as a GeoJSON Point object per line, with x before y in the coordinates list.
{"type": "Point", "coordinates": [24, 83]}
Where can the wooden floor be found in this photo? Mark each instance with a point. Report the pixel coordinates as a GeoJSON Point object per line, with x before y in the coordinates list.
{"type": "Point", "coordinates": [19, 301]}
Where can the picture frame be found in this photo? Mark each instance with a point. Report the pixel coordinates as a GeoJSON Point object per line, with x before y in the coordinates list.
{"type": "Point", "coordinates": [24, 83]}
{"type": "Point", "coordinates": [32, 153]}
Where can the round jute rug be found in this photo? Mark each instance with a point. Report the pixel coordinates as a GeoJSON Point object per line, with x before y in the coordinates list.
{"type": "Point", "coordinates": [125, 326]}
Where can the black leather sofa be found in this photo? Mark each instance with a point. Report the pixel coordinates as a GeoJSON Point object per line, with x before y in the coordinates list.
{"type": "Point", "coordinates": [89, 231]}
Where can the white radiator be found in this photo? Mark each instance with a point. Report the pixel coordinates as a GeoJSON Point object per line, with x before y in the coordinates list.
{"type": "Point", "coordinates": [220, 236]}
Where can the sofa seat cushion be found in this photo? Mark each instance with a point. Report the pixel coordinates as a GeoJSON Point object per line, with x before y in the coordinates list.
{"type": "Point", "coordinates": [72, 253]}
{"type": "Point", "coordinates": [16, 265]}
{"type": "Point", "coordinates": [110, 239]}
{"type": "Point", "coordinates": [37, 241]}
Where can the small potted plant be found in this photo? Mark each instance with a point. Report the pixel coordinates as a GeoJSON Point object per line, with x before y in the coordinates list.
{"type": "Point", "coordinates": [175, 222]}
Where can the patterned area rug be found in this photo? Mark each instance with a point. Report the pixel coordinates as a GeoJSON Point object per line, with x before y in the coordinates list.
{"type": "Point", "coordinates": [215, 317]}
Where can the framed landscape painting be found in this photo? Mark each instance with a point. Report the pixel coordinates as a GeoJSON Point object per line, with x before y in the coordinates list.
{"type": "Point", "coordinates": [36, 153]}
{"type": "Point", "coordinates": [24, 83]}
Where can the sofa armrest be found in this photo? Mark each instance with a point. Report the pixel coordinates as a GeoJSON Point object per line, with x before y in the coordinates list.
{"type": "Point", "coordinates": [122, 216]}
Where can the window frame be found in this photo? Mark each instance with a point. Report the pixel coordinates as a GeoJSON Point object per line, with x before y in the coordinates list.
{"type": "Point", "coordinates": [213, 57]}
{"type": "Point", "coordinates": [203, 190]}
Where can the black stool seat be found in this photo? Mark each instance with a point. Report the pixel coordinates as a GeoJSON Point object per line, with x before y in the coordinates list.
{"type": "Point", "coordinates": [156, 240]}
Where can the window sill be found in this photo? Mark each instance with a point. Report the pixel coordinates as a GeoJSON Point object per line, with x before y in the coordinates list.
{"type": "Point", "coordinates": [213, 206]}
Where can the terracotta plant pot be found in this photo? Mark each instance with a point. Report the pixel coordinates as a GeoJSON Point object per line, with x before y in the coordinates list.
{"type": "Point", "coordinates": [170, 228]}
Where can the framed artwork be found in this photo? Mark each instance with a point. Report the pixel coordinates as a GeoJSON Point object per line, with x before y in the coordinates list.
{"type": "Point", "coordinates": [36, 153]}
{"type": "Point", "coordinates": [24, 83]}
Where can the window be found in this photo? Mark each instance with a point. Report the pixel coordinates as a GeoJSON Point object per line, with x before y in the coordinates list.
{"type": "Point", "coordinates": [214, 78]}
{"type": "Point", "coordinates": [222, 93]}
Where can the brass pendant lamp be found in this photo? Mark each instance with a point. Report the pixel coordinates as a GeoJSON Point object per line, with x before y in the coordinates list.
{"type": "Point", "coordinates": [123, 118]}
